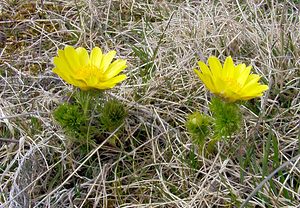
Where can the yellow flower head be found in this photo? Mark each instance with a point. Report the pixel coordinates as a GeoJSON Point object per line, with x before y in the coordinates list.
{"type": "Point", "coordinates": [230, 82]}
{"type": "Point", "coordinates": [94, 71]}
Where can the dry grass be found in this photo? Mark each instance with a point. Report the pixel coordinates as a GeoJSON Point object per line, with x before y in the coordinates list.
{"type": "Point", "coordinates": [160, 167]}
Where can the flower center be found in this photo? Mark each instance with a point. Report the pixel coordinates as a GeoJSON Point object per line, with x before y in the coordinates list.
{"type": "Point", "coordinates": [232, 84]}
{"type": "Point", "coordinates": [85, 72]}
{"type": "Point", "coordinates": [89, 74]}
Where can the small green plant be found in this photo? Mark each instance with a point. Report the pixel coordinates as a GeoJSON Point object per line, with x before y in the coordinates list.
{"type": "Point", "coordinates": [90, 116]}
{"type": "Point", "coordinates": [112, 115]}
{"type": "Point", "coordinates": [198, 125]}
{"type": "Point", "coordinates": [71, 119]}
{"type": "Point", "coordinates": [224, 122]}
{"type": "Point", "coordinates": [227, 117]}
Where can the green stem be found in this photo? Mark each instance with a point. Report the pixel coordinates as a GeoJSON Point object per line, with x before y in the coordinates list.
{"type": "Point", "coordinates": [83, 99]}
{"type": "Point", "coordinates": [86, 103]}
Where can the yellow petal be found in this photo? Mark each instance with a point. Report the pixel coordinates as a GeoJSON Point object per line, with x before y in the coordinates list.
{"type": "Point", "coordinates": [66, 74]}
{"type": "Point", "coordinates": [83, 56]}
{"type": "Point", "coordinates": [115, 68]}
{"type": "Point", "coordinates": [228, 68]}
{"type": "Point", "coordinates": [256, 89]}
{"type": "Point", "coordinates": [118, 79]}
{"type": "Point", "coordinates": [252, 77]}
{"type": "Point", "coordinates": [96, 57]}
{"type": "Point", "coordinates": [244, 76]}
{"type": "Point", "coordinates": [206, 79]}
{"type": "Point", "coordinates": [72, 58]}
{"type": "Point", "coordinates": [61, 54]}
{"type": "Point", "coordinates": [107, 58]}
{"type": "Point", "coordinates": [219, 84]}
{"type": "Point", "coordinates": [62, 75]}
{"type": "Point", "coordinates": [82, 84]}
{"type": "Point", "coordinates": [230, 96]}
{"type": "Point", "coordinates": [62, 69]}
{"type": "Point", "coordinates": [208, 75]}
{"type": "Point", "coordinates": [264, 87]}
{"type": "Point", "coordinates": [215, 66]}
{"type": "Point", "coordinates": [204, 68]}
{"type": "Point", "coordinates": [110, 83]}
{"type": "Point", "coordinates": [62, 57]}
{"type": "Point", "coordinates": [251, 80]}
{"type": "Point", "coordinates": [239, 69]}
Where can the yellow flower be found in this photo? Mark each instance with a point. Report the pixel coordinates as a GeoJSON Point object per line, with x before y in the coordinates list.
{"type": "Point", "coordinates": [94, 71]}
{"type": "Point", "coordinates": [230, 82]}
